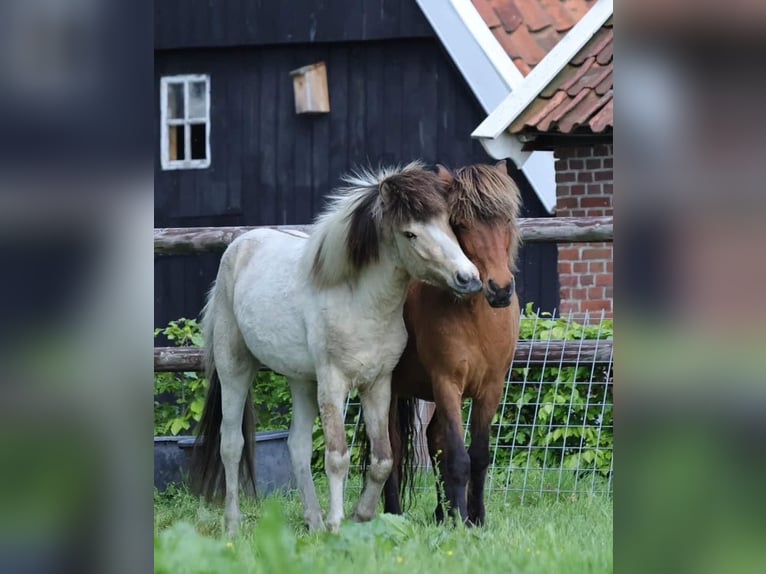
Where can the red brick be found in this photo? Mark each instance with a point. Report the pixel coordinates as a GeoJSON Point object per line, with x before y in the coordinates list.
{"type": "Point", "coordinates": [576, 164]}
{"type": "Point", "coordinates": [608, 267]}
{"type": "Point", "coordinates": [568, 280]}
{"type": "Point", "coordinates": [595, 212]}
{"type": "Point", "coordinates": [569, 307]}
{"type": "Point", "coordinates": [584, 176]}
{"type": "Point", "coordinates": [604, 280]}
{"type": "Point", "coordinates": [564, 152]}
{"type": "Point", "coordinates": [593, 163]}
{"type": "Point", "coordinates": [596, 305]}
{"type": "Point", "coordinates": [595, 293]}
{"type": "Point", "coordinates": [593, 201]}
{"type": "Point", "coordinates": [595, 266]}
{"type": "Point", "coordinates": [609, 211]}
{"type": "Point", "coordinates": [580, 267]}
{"type": "Point", "coordinates": [571, 253]}
{"type": "Point", "coordinates": [567, 202]}
{"type": "Point", "coordinates": [565, 267]}
{"type": "Point", "coordinates": [602, 150]}
{"type": "Point", "coordinates": [607, 175]}
{"type": "Point", "coordinates": [595, 253]}
{"type": "Point", "coordinates": [608, 162]}
{"type": "Point", "coordinates": [564, 176]}
{"type": "Point", "coordinates": [594, 189]}
{"type": "Point", "coordinates": [580, 293]}
{"type": "Point", "coordinates": [608, 188]}
{"type": "Point", "coordinates": [565, 292]}
{"type": "Point", "coordinates": [584, 151]}
{"type": "Point", "coordinates": [587, 280]}
{"type": "Point", "coordinates": [575, 189]}
{"type": "Point", "coordinates": [578, 213]}
{"type": "Point", "coordinates": [608, 292]}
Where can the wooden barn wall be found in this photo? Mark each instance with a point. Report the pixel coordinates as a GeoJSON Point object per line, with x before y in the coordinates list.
{"type": "Point", "coordinates": [227, 23]}
{"type": "Point", "coordinates": [391, 101]}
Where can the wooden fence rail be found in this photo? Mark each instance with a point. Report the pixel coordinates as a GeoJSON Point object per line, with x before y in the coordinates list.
{"type": "Point", "coordinates": [532, 353]}
{"type": "Point", "coordinates": [178, 240]}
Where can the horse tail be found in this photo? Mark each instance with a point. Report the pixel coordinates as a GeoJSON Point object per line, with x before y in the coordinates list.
{"type": "Point", "coordinates": [207, 472]}
{"type": "Point", "coordinates": [407, 414]}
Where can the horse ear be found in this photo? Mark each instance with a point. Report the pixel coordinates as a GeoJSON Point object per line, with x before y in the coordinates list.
{"type": "Point", "coordinates": [444, 174]}
{"type": "Point", "coordinates": [387, 190]}
{"type": "Point", "coordinates": [502, 167]}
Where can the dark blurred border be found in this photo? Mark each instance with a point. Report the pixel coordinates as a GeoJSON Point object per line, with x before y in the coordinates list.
{"type": "Point", "coordinates": [690, 270]}
{"type": "Point", "coordinates": [76, 218]}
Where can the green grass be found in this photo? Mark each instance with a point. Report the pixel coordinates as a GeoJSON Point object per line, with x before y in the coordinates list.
{"type": "Point", "coordinates": [545, 535]}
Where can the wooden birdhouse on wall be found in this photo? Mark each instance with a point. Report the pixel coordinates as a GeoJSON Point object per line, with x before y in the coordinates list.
{"type": "Point", "coordinates": [310, 88]}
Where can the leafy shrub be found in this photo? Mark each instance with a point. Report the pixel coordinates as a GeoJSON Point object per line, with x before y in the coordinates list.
{"type": "Point", "coordinates": [180, 397]}
{"type": "Point", "coordinates": [570, 407]}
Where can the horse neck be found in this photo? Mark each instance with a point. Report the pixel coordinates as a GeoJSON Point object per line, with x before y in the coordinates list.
{"type": "Point", "coordinates": [383, 285]}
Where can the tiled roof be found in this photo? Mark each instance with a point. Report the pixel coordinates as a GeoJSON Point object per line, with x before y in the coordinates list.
{"type": "Point", "coordinates": [528, 29]}
{"type": "Point", "coordinates": [580, 97]}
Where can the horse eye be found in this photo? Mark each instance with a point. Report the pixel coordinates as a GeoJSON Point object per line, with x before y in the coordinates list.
{"type": "Point", "coordinates": [409, 235]}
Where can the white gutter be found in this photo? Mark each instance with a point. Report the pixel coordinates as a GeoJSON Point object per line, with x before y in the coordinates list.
{"type": "Point", "coordinates": [491, 75]}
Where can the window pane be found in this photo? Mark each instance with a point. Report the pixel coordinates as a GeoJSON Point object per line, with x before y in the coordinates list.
{"type": "Point", "coordinates": [198, 100]}
{"type": "Point", "coordinates": [176, 143]}
{"type": "Point", "coordinates": [175, 101]}
{"type": "Point", "coordinates": [198, 146]}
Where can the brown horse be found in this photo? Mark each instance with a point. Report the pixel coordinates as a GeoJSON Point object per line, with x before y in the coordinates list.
{"type": "Point", "coordinates": [460, 348]}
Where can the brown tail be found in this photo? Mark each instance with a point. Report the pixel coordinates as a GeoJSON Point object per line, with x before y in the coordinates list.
{"type": "Point", "coordinates": [207, 475]}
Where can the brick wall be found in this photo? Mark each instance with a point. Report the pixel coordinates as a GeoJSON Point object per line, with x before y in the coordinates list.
{"type": "Point", "coordinates": [584, 186]}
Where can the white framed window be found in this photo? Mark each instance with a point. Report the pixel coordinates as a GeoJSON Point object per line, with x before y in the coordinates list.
{"type": "Point", "coordinates": [185, 117]}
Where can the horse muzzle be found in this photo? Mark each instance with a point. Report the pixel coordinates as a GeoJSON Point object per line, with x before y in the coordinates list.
{"type": "Point", "coordinates": [499, 297]}
{"type": "Point", "coordinates": [466, 284]}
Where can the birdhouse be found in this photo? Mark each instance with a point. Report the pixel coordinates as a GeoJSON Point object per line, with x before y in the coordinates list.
{"type": "Point", "coordinates": [310, 87]}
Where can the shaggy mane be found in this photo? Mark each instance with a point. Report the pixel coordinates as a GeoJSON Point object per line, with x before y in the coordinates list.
{"type": "Point", "coordinates": [348, 233]}
{"type": "Point", "coordinates": [482, 193]}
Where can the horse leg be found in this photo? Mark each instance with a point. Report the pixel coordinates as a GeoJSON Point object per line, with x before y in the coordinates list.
{"type": "Point", "coordinates": [299, 442]}
{"type": "Point", "coordinates": [332, 392]}
{"type": "Point", "coordinates": [436, 451]}
{"type": "Point", "coordinates": [375, 400]}
{"type": "Point", "coordinates": [236, 369]}
{"type": "Point", "coordinates": [481, 417]}
{"type": "Point", "coordinates": [455, 465]}
{"type": "Point", "coordinates": [392, 502]}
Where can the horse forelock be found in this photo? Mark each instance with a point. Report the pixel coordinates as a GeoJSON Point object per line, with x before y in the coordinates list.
{"type": "Point", "coordinates": [348, 234]}
{"type": "Point", "coordinates": [418, 196]}
{"type": "Point", "coordinates": [482, 194]}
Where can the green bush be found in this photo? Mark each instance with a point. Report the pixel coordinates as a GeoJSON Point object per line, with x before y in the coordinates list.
{"type": "Point", "coordinates": [570, 401]}
{"type": "Point", "coordinates": [570, 418]}
{"type": "Point", "coordinates": [180, 397]}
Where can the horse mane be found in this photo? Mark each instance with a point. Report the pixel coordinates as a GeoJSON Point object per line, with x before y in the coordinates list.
{"type": "Point", "coordinates": [482, 193]}
{"type": "Point", "coordinates": [348, 233]}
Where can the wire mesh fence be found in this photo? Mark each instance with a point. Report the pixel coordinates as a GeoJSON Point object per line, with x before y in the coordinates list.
{"type": "Point", "coordinates": [553, 430]}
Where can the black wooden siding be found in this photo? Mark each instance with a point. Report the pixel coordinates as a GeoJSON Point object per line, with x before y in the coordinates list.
{"type": "Point", "coordinates": [391, 101]}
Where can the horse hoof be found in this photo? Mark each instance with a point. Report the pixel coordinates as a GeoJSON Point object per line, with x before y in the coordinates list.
{"type": "Point", "coordinates": [314, 523]}
{"type": "Point", "coordinates": [356, 517]}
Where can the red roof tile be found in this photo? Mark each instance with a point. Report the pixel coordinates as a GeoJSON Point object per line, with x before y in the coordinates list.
{"type": "Point", "coordinates": [529, 29]}
{"type": "Point", "coordinates": [581, 97]}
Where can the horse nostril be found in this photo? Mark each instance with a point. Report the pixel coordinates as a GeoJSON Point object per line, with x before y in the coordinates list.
{"type": "Point", "coordinates": [494, 288]}
{"type": "Point", "coordinates": [463, 278]}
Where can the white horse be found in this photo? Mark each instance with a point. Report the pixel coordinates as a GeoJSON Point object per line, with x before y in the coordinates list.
{"type": "Point", "coordinates": [326, 311]}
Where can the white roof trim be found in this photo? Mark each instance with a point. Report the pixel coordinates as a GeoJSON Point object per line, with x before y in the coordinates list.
{"type": "Point", "coordinates": [488, 43]}
{"type": "Point", "coordinates": [494, 126]}
{"type": "Point", "coordinates": [491, 75]}
{"type": "Point", "coordinates": [478, 55]}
